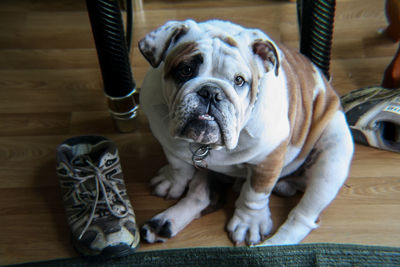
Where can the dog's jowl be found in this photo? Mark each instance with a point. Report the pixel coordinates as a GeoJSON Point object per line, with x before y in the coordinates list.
{"type": "Point", "coordinates": [225, 99]}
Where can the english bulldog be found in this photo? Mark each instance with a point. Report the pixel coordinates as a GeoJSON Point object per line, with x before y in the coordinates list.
{"type": "Point", "coordinates": [221, 98]}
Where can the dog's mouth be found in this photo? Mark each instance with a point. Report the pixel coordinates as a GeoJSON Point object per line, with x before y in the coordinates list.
{"type": "Point", "coordinates": [203, 129]}
{"type": "Point", "coordinates": [205, 114]}
{"type": "Point", "coordinates": [206, 117]}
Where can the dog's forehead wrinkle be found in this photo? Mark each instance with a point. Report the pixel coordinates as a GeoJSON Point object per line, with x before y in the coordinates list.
{"type": "Point", "coordinates": [226, 60]}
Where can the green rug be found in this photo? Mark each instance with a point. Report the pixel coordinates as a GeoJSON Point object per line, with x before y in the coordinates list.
{"type": "Point", "coordinates": [297, 255]}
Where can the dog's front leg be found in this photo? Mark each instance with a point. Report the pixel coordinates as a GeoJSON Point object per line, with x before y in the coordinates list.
{"type": "Point", "coordinates": [168, 223]}
{"type": "Point", "coordinates": [325, 176]}
{"type": "Point", "coordinates": [252, 219]}
{"type": "Point", "coordinates": [173, 178]}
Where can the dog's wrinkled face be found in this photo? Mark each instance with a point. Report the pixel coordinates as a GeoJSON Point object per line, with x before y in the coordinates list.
{"type": "Point", "coordinates": [210, 80]}
{"type": "Point", "coordinates": [207, 83]}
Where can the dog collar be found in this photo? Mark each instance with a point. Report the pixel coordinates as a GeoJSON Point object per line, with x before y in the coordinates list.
{"type": "Point", "coordinates": [199, 153]}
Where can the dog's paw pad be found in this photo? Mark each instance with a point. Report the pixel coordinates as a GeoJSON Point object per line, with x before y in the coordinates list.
{"type": "Point", "coordinates": [156, 230]}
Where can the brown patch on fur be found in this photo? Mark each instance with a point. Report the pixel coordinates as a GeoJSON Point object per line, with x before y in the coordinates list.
{"type": "Point", "coordinates": [227, 39]}
{"type": "Point", "coordinates": [181, 53]}
{"type": "Point", "coordinates": [325, 106]}
{"type": "Point", "coordinates": [266, 174]}
{"type": "Point", "coordinates": [308, 117]}
{"type": "Point", "coordinates": [301, 89]}
{"type": "Point", "coordinates": [256, 75]}
{"type": "Point", "coordinates": [230, 41]}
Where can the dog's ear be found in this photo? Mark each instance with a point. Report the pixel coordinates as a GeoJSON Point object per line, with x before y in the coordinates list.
{"type": "Point", "coordinates": [269, 54]}
{"type": "Point", "coordinates": [155, 44]}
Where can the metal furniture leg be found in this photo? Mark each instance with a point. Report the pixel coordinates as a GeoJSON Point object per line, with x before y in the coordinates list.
{"type": "Point", "coordinates": [112, 51]}
{"type": "Point", "coordinates": [316, 21]}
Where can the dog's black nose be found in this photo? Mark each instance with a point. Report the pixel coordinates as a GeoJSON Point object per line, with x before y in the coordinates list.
{"type": "Point", "coordinates": [210, 92]}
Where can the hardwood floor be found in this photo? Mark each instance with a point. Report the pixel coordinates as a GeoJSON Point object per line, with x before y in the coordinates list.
{"type": "Point", "coordinates": [50, 89]}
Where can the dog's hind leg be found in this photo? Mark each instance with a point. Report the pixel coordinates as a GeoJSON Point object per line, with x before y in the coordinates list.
{"type": "Point", "coordinates": [200, 198]}
{"type": "Point", "coordinates": [325, 176]}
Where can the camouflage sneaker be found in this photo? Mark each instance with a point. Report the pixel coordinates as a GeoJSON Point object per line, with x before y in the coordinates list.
{"type": "Point", "coordinates": [373, 114]}
{"type": "Point", "coordinates": [96, 203]}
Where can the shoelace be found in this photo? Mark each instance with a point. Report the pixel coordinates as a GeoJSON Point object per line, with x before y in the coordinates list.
{"type": "Point", "coordinates": [101, 184]}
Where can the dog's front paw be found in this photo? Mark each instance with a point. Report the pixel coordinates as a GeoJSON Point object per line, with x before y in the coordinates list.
{"type": "Point", "coordinates": [249, 225]}
{"type": "Point", "coordinates": [156, 230]}
{"type": "Point", "coordinates": [166, 185]}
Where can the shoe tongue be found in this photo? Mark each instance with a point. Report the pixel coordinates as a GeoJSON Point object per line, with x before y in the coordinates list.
{"type": "Point", "coordinates": [94, 153]}
{"type": "Point", "coordinates": [80, 161]}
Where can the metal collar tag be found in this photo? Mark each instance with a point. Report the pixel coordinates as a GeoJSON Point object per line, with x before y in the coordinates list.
{"type": "Point", "coordinates": [199, 154]}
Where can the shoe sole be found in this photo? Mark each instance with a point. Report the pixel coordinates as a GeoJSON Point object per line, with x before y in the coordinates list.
{"type": "Point", "coordinates": [109, 252]}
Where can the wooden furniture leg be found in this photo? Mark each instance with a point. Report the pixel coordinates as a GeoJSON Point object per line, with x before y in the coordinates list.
{"type": "Point", "coordinates": [391, 77]}
{"type": "Point", "coordinates": [392, 11]}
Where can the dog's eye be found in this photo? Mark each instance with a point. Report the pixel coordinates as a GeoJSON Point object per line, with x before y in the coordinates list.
{"type": "Point", "coordinates": [185, 71]}
{"type": "Point", "coordinates": [239, 80]}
